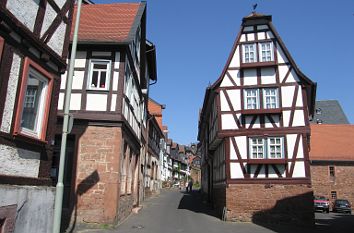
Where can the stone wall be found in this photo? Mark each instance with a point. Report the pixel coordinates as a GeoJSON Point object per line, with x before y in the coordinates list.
{"type": "Point", "coordinates": [126, 204]}
{"type": "Point", "coordinates": [219, 199]}
{"type": "Point", "coordinates": [34, 207]}
{"type": "Point", "coordinates": [97, 178]}
{"type": "Point", "coordinates": [270, 204]}
{"type": "Point", "coordinates": [341, 183]}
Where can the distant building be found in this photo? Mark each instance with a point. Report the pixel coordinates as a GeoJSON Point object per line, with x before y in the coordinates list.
{"type": "Point", "coordinates": [332, 161]}
{"type": "Point", "coordinates": [328, 112]}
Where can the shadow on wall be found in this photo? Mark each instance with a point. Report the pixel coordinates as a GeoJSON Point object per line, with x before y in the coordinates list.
{"type": "Point", "coordinates": [193, 201]}
{"type": "Point", "coordinates": [69, 221]}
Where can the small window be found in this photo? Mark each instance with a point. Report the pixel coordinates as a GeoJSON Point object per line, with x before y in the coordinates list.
{"type": "Point", "coordinates": [331, 171]}
{"type": "Point", "coordinates": [257, 148]}
{"type": "Point", "coordinates": [270, 96]}
{"type": "Point", "coordinates": [275, 148]}
{"type": "Point", "coordinates": [35, 95]}
{"type": "Point", "coordinates": [334, 194]}
{"type": "Point", "coordinates": [266, 51]}
{"type": "Point", "coordinates": [251, 99]}
{"type": "Point", "coordinates": [99, 74]}
{"type": "Point", "coordinates": [249, 53]}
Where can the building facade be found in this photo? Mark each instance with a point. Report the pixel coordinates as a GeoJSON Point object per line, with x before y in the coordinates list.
{"type": "Point", "coordinates": [332, 161]}
{"type": "Point", "coordinates": [106, 148]}
{"type": "Point", "coordinates": [254, 131]}
{"type": "Point", "coordinates": [34, 41]}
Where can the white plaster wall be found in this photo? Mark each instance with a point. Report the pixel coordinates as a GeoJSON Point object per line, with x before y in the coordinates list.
{"type": "Point", "coordinates": [283, 69]}
{"type": "Point", "coordinates": [228, 122]}
{"type": "Point", "coordinates": [96, 102]}
{"type": "Point", "coordinates": [235, 61]}
{"type": "Point", "coordinates": [49, 17]}
{"type": "Point", "coordinates": [250, 77]}
{"type": "Point", "coordinates": [299, 102]}
{"type": "Point", "coordinates": [101, 53]}
{"type": "Point", "coordinates": [292, 77]}
{"type": "Point", "coordinates": [299, 118]}
{"type": "Point", "coordinates": [60, 3]}
{"type": "Point", "coordinates": [235, 97]}
{"type": "Point", "coordinates": [261, 35]}
{"type": "Point", "coordinates": [286, 118]}
{"type": "Point", "coordinates": [273, 174]}
{"type": "Point", "coordinates": [19, 162]}
{"type": "Point", "coordinates": [232, 151]}
{"type": "Point", "coordinates": [299, 169]}
{"type": "Point", "coordinates": [63, 80]}
{"type": "Point", "coordinates": [226, 82]}
{"type": "Point", "coordinates": [113, 103]}
{"type": "Point", "coordinates": [80, 59]}
{"type": "Point", "coordinates": [75, 101]}
{"type": "Point", "coordinates": [223, 102]}
{"type": "Point", "coordinates": [35, 207]}
{"type": "Point", "coordinates": [250, 37]}
{"type": "Point", "coordinates": [78, 80]}
{"type": "Point", "coordinates": [268, 76]}
{"type": "Point", "coordinates": [24, 10]}
{"type": "Point", "coordinates": [287, 95]}
{"type": "Point", "coordinates": [235, 171]}
{"type": "Point", "coordinates": [280, 55]}
{"type": "Point", "coordinates": [115, 80]}
{"type": "Point", "coordinates": [291, 139]}
{"type": "Point", "coordinates": [58, 38]}
{"type": "Point", "coordinates": [11, 94]}
{"type": "Point", "coordinates": [242, 146]}
{"type": "Point", "coordinates": [243, 38]}
{"type": "Point", "coordinates": [61, 101]}
{"type": "Point", "coordinates": [235, 74]}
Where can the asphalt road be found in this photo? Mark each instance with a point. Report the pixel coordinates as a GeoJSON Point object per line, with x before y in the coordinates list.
{"type": "Point", "coordinates": [178, 212]}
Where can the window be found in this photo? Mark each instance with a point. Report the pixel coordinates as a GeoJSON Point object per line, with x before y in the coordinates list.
{"type": "Point", "coordinates": [266, 148]}
{"type": "Point", "coordinates": [257, 148]}
{"type": "Point", "coordinates": [100, 71]}
{"type": "Point", "coordinates": [251, 99]}
{"type": "Point", "coordinates": [35, 94]}
{"type": "Point", "coordinates": [249, 53]}
{"type": "Point", "coordinates": [270, 96]}
{"type": "Point", "coordinates": [331, 171]}
{"type": "Point", "coordinates": [266, 51]}
{"type": "Point", "coordinates": [334, 194]}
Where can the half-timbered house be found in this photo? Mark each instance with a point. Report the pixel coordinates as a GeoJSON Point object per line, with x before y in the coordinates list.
{"type": "Point", "coordinates": [34, 39]}
{"type": "Point", "coordinates": [254, 130]}
{"type": "Point", "coordinates": [113, 67]}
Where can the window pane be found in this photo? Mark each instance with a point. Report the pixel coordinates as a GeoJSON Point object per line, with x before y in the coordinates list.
{"type": "Point", "coordinates": [94, 79]}
{"type": "Point", "coordinates": [103, 80]}
{"type": "Point", "coordinates": [32, 102]}
{"type": "Point", "coordinates": [100, 66]}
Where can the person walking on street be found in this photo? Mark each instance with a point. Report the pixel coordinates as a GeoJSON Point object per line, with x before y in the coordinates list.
{"type": "Point", "coordinates": [190, 185]}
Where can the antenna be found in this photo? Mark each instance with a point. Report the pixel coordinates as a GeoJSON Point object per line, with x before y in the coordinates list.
{"type": "Point", "coordinates": [254, 6]}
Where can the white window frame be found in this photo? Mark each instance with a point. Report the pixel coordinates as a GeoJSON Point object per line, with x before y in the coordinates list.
{"type": "Point", "coordinates": [257, 145]}
{"type": "Point", "coordinates": [246, 51]}
{"type": "Point", "coordinates": [270, 50]}
{"type": "Point", "coordinates": [108, 73]}
{"type": "Point", "coordinates": [246, 97]}
{"type": "Point", "coordinates": [276, 96]}
{"type": "Point", "coordinates": [36, 132]}
{"type": "Point", "coordinates": [275, 144]}
{"type": "Point", "coordinates": [266, 146]}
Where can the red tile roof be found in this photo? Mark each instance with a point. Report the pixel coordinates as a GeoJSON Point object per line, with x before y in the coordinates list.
{"type": "Point", "coordinates": [332, 142]}
{"type": "Point", "coordinates": [106, 22]}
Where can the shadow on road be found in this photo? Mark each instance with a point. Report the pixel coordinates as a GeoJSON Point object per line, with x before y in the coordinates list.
{"type": "Point", "coordinates": [193, 201]}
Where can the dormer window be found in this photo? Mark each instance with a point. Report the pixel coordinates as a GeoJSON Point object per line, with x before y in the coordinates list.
{"type": "Point", "coordinates": [249, 53]}
{"type": "Point", "coordinates": [100, 71]}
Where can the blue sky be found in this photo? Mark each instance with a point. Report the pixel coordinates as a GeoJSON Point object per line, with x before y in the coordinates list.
{"type": "Point", "coordinates": [193, 39]}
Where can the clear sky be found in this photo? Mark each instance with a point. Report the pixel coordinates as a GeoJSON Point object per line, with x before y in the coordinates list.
{"type": "Point", "coordinates": [193, 39]}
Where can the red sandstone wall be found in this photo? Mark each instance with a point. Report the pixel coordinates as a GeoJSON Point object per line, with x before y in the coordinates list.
{"type": "Point", "coordinates": [97, 179]}
{"type": "Point", "coordinates": [342, 182]}
{"type": "Point", "coordinates": [270, 204]}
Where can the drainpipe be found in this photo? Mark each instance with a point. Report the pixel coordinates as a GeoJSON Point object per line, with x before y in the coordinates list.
{"type": "Point", "coordinates": [60, 186]}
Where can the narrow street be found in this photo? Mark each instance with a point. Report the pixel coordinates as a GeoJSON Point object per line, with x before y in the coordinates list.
{"type": "Point", "coordinates": [174, 211]}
